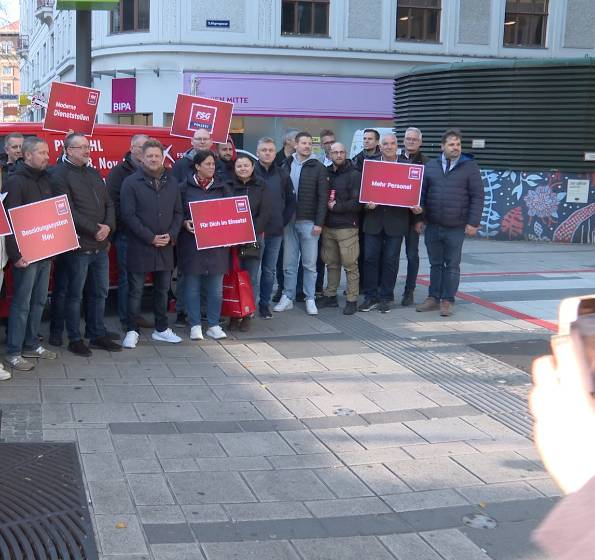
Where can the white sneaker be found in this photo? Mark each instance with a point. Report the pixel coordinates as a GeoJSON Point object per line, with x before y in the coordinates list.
{"type": "Point", "coordinates": [130, 340]}
{"type": "Point", "coordinates": [216, 332]}
{"type": "Point", "coordinates": [4, 375]}
{"type": "Point", "coordinates": [311, 308]}
{"type": "Point", "coordinates": [166, 336]}
{"type": "Point", "coordinates": [285, 304]}
{"type": "Point", "coordinates": [196, 333]}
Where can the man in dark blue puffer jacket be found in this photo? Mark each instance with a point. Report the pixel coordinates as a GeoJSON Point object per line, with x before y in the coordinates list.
{"type": "Point", "coordinates": [452, 199]}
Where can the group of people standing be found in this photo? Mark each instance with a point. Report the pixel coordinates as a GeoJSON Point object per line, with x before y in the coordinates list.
{"type": "Point", "coordinates": [306, 214]}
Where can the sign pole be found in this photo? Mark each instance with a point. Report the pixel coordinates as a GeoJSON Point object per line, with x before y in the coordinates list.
{"type": "Point", "coordinates": [83, 47]}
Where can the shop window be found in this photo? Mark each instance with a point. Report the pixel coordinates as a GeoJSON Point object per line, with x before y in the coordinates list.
{"type": "Point", "coordinates": [305, 18]}
{"type": "Point", "coordinates": [418, 20]}
{"type": "Point", "coordinates": [7, 88]}
{"type": "Point", "coordinates": [130, 16]}
{"type": "Point", "coordinates": [136, 118]}
{"type": "Point", "coordinates": [525, 23]}
{"type": "Point", "coordinates": [168, 119]}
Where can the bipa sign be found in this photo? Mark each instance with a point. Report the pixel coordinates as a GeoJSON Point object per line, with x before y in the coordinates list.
{"type": "Point", "coordinates": [124, 95]}
{"type": "Point", "coordinates": [202, 116]}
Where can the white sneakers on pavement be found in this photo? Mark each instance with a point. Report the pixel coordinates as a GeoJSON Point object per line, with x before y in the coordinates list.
{"type": "Point", "coordinates": [216, 332]}
{"type": "Point", "coordinates": [311, 308]}
{"type": "Point", "coordinates": [166, 336]}
{"type": "Point", "coordinates": [18, 363]}
{"type": "Point", "coordinates": [130, 340]}
{"type": "Point", "coordinates": [4, 375]}
{"type": "Point", "coordinates": [285, 304]}
{"type": "Point", "coordinates": [196, 333]}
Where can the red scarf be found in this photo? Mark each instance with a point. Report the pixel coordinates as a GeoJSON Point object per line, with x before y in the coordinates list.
{"type": "Point", "coordinates": [203, 183]}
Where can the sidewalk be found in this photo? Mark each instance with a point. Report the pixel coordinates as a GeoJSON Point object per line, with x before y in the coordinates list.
{"type": "Point", "coordinates": [375, 436]}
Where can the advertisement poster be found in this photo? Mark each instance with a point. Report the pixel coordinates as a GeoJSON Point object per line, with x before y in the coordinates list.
{"type": "Point", "coordinates": [194, 113]}
{"type": "Point", "coordinates": [71, 107]}
{"type": "Point", "coordinates": [391, 184]}
{"type": "Point", "coordinates": [222, 222]}
{"type": "Point", "coordinates": [44, 229]}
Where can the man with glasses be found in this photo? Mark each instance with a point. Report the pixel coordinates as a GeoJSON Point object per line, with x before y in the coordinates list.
{"type": "Point", "coordinates": [94, 219]}
{"type": "Point", "coordinates": [412, 154]}
{"type": "Point", "coordinates": [327, 139]}
{"type": "Point", "coordinates": [201, 140]}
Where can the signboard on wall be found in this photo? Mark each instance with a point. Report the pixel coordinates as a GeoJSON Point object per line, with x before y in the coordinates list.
{"type": "Point", "coordinates": [124, 95]}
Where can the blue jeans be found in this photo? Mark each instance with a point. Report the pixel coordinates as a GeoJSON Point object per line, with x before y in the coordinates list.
{"type": "Point", "coordinates": [95, 266]}
{"type": "Point", "coordinates": [161, 280]}
{"type": "Point", "coordinates": [444, 245]}
{"type": "Point", "coordinates": [121, 243]}
{"type": "Point", "coordinates": [272, 245]}
{"type": "Point", "coordinates": [58, 299]}
{"type": "Point", "coordinates": [412, 250]}
{"type": "Point", "coordinates": [298, 239]}
{"type": "Point", "coordinates": [381, 265]}
{"type": "Point", "coordinates": [214, 290]}
{"type": "Point", "coordinates": [28, 301]}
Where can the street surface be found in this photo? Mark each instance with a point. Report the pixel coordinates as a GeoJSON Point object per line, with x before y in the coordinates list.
{"type": "Point", "coordinates": [376, 436]}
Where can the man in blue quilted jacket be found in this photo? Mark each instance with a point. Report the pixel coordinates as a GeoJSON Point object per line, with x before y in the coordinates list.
{"type": "Point", "coordinates": [452, 199]}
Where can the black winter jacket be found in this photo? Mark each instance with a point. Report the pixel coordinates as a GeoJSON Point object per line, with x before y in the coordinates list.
{"type": "Point", "coordinates": [25, 185]}
{"type": "Point", "coordinates": [455, 198]}
{"type": "Point", "coordinates": [346, 182]}
{"type": "Point", "coordinates": [224, 170]}
{"type": "Point", "coordinates": [184, 167]}
{"type": "Point", "coordinates": [312, 194]}
{"type": "Point", "coordinates": [281, 197]}
{"type": "Point", "coordinates": [419, 158]}
{"type": "Point", "coordinates": [6, 168]}
{"type": "Point", "coordinates": [190, 259]}
{"type": "Point", "coordinates": [150, 206]}
{"type": "Point", "coordinates": [89, 200]}
{"type": "Point", "coordinates": [114, 181]}
{"type": "Point", "coordinates": [358, 160]}
{"type": "Point", "coordinates": [258, 196]}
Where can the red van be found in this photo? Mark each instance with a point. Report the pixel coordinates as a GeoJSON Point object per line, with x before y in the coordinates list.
{"type": "Point", "coordinates": [108, 145]}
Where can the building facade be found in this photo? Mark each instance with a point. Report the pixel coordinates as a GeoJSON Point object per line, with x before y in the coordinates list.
{"type": "Point", "coordinates": [308, 64]}
{"type": "Point", "coordinates": [9, 73]}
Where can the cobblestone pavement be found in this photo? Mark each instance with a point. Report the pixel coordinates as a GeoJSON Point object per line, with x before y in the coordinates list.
{"type": "Point", "coordinates": [378, 435]}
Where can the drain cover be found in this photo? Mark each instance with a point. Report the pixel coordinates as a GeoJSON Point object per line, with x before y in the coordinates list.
{"type": "Point", "coordinates": [479, 521]}
{"type": "Point", "coordinates": [344, 412]}
{"type": "Point", "coordinates": [43, 508]}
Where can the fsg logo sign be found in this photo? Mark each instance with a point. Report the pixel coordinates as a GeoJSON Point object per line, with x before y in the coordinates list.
{"type": "Point", "coordinates": [202, 116]}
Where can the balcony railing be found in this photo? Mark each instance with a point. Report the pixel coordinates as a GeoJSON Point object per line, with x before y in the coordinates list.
{"type": "Point", "coordinates": [45, 10]}
{"type": "Point", "coordinates": [23, 44]}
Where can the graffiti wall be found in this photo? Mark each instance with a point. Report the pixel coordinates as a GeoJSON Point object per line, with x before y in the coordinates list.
{"type": "Point", "coordinates": [538, 206]}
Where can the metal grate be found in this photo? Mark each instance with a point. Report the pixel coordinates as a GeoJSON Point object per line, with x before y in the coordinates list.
{"type": "Point", "coordinates": [43, 508]}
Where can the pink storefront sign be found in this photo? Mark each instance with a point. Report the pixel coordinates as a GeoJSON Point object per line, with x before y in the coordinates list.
{"type": "Point", "coordinates": [124, 95]}
{"type": "Point", "coordinates": [266, 95]}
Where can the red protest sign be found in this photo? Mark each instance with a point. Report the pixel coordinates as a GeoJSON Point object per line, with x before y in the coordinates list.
{"type": "Point", "coordinates": [391, 184]}
{"type": "Point", "coordinates": [71, 107]}
{"type": "Point", "coordinates": [221, 222]}
{"type": "Point", "coordinates": [44, 229]}
{"type": "Point", "coordinates": [194, 113]}
{"type": "Point", "coordinates": [4, 223]}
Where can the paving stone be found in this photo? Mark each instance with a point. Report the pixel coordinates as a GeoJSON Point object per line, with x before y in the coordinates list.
{"type": "Point", "coordinates": [142, 465]}
{"type": "Point", "coordinates": [546, 486]}
{"type": "Point", "coordinates": [148, 428]}
{"type": "Point", "coordinates": [313, 461]}
{"type": "Point", "coordinates": [133, 446]}
{"type": "Point", "coordinates": [59, 435]}
{"type": "Point", "coordinates": [343, 483]}
{"type": "Point", "coordinates": [440, 396]}
{"type": "Point", "coordinates": [304, 442]}
{"type": "Point", "coordinates": [499, 492]}
{"type": "Point", "coordinates": [114, 540]}
{"type": "Point", "coordinates": [337, 421]}
{"type": "Point", "coordinates": [274, 550]}
{"type": "Point", "coordinates": [20, 394]}
{"type": "Point", "coordinates": [434, 519]}
{"type": "Point", "coordinates": [208, 427]}
{"type": "Point", "coordinates": [157, 381]}
{"type": "Point", "coordinates": [345, 548]}
{"type": "Point", "coordinates": [297, 390]}
{"type": "Point", "coordinates": [383, 435]}
{"type": "Point", "coordinates": [180, 393]}
{"type": "Point", "coordinates": [94, 441]}
{"type": "Point", "coordinates": [104, 413]}
{"type": "Point", "coordinates": [179, 465]}
{"type": "Point", "coordinates": [400, 399]}
{"type": "Point", "coordinates": [254, 444]}
{"type": "Point", "coordinates": [434, 473]}
{"type": "Point", "coordinates": [209, 487]}
{"type": "Point", "coordinates": [409, 547]}
{"type": "Point", "coordinates": [101, 466]}
{"type": "Point", "coordinates": [394, 416]}
{"type": "Point", "coordinates": [272, 410]}
{"type": "Point", "coordinates": [56, 413]}
{"type": "Point", "coordinates": [287, 485]}
{"type": "Point", "coordinates": [286, 424]}
{"type": "Point", "coordinates": [502, 466]}
{"type": "Point", "coordinates": [268, 510]}
{"type": "Point", "coordinates": [174, 533]}
{"type": "Point", "coordinates": [440, 430]}
{"type": "Point", "coordinates": [161, 514]}
{"type": "Point", "coordinates": [335, 403]}
{"type": "Point", "coordinates": [149, 489]}
{"type": "Point", "coordinates": [70, 394]}
{"type": "Point", "coordinates": [380, 479]}
{"type": "Point", "coordinates": [205, 513]}
{"type": "Point", "coordinates": [128, 393]}
{"type": "Point", "coordinates": [346, 507]}
{"type": "Point", "coordinates": [187, 445]}
{"type": "Point", "coordinates": [302, 365]}
{"type": "Point", "coordinates": [451, 411]}
{"type": "Point", "coordinates": [430, 499]}
{"type": "Point", "coordinates": [336, 439]}
{"type": "Point", "coordinates": [302, 408]}
{"type": "Point", "coordinates": [242, 393]}
{"type": "Point", "coordinates": [233, 464]}
{"type": "Point", "coordinates": [89, 371]}
{"type": "Point", "coordinates": [167, 412]}
{"type": "Point", "coordinates": [178, 551]}
{"type": "Point", "coordinates": [451, 544]}
{"type": "Point", "coordinates": [348, 384]}
{"type": "Point", "coordinates": [370, 456]}
{"type": "Point", "coordinates": [110, 496]}
{"type": "Point", "coordinates": [428, 450]}
{"type": "Point", "coordinates": [228, 411]}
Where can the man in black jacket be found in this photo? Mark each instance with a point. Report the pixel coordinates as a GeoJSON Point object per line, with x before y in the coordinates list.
{"type": "Point", "coordinates": [282, 200]}
{"type": "Point", "coordinates": [371, 141]}
{"type": "Point", "coordinates": [28, 183]}
{"type": "Point", "coordinates": [412, 154]}
{"type": "Point", "coordinates": [94, 218]}
{"type": "Point", "coordinates": [114, 182]}
{"type": "Point", "coordinates": [184, 167]}
{"type": "Point", "coordinates": [340, 235]}
{"type": "Point", "coordinates": [310, 183]}
{"type": "Point", "coordinates": [152, 213]}
{"type": "Point", "coordinates": [13, 143]}
{"type": "Point", "coordinates": [384, 229]}
{"type": "Point", "coordinates": [452, 199]}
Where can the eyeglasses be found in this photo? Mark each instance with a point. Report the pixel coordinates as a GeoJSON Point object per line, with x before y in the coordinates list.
{"type": "Point", "coordinates": [79, 147]}
{"type": "Point", "coordinates": [409, 139]}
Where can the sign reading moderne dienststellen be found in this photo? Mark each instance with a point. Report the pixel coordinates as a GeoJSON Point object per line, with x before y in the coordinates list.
{"type": "Point", "coordinates": [71, 107]}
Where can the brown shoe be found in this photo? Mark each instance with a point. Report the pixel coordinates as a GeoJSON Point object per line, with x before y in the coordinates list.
{"type": "Point", "coordinates": [446, 308]}
{"type": "Point", "coordinates": [429, 304]}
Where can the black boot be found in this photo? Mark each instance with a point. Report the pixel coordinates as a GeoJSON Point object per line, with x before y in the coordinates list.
{"type": "Point", "coordinates": [407, 298]}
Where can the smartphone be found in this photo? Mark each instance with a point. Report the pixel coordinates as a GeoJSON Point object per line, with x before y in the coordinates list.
{"type": "Point", "coordinates": [576, 321]}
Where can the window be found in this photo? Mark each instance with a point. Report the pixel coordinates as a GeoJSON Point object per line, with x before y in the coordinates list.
{"type": "Point", "coordinates": [7, 88]}
{"type": "Point", "coordinates": [418, 20]}
{"type": "Point", "coordinates": [145, 119]}
{"type": "Point", "coordinates": [305, 18]}
{"type": "Point", "coordinates": [131, 15]}
{"type": "Point", "coordinates": [7, 70]}
{"type": "Point", "coordinates": [525, 23]}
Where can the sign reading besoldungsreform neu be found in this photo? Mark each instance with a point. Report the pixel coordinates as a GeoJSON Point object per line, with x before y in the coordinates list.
{"type": "Point", "coordinates": [71, 107]}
